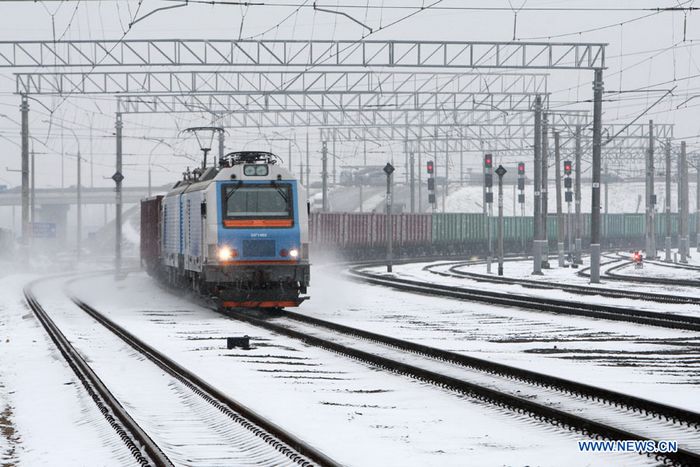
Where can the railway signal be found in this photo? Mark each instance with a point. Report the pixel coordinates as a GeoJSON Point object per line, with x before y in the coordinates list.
{"type": "Point", "coordinates": [431, 184]}
{"type": "Point", "coordinates": [569, 198]}
{"type": "Point", "coordinates": [388, 170]}
{"type": "Point", "coordinates": [521, 199]}
{"type": "Point", "coordinates": [500, 171]}
{"type": "Point", "coordinates": [488, 205]}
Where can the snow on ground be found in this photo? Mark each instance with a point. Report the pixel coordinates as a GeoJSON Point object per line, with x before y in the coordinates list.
{"type": "Point", "coordinates": [46, 417]}
{"type": "Point", "coordinates": [416, 271]}
{"type": "Point", "coordinates": [661, 271]}
{"type": "Point", "coordinates": [523, 270]}
{"type": "Point", "coordinates": [623, 198]}
{"type": "Point", "coordinates": [333, 402]}
{"type": "Point", "coordinates": [649, 362]}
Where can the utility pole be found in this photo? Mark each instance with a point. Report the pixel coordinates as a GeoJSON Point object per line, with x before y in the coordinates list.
{"type": "Point", "coordinates": [420, 180]}
{"type": "Point", "coordinates": [32, 198]}
{"type": "Point", "coordinates": [697, 203]}
{"type": "Point", "coordinates": [683, 217]}
{"type": "Point", "coordinates": [289, 152]}
{"type": "Point", "coordinates": [595, 190]}
{"type": "Point", "coordinates": [545, 195]}
{"type": "Point", "coordinates": [324, 175]}
{"type": "Point", "coordinates": [24, 109]}
{"type": "Point", "coordinates": [500, 171]}
{"type": "Point", "coordinates": [221, 149]}
{"type": "Point", "coordinates": [577, 199]}
{"type": "Point", "coordinates": [364, 160]}
{"type": "Point", "coordinates": [92, 160]}
{"type": "Point", "coordinates": [651, 197]}
{"type": "Point", "coordinates": [461, 159]}
{"type": "Point", "coordinates": [118, 177]}
{"type": "Point", "coordinates": [667, 204]}
{"type": "Point", "coordinates": [79, 210]}
{"type": "Point", "coordinates": [301, 170]}
{"type": "Point", "coordinates": [388, 170]}
{"type": "Point", "coordinates": [604, 224]}
{"type": "Point", "coordinates": [560, 215]}
{"type": "Point", "coordinates": [334, 155]}
{"type": "Point", "coordinates": [413, 181]}
{"type": "Point", "coordinates": [537, 183]}
{"type": "Point", "coordinates": [446, 184]}
{"type": "Point", "coordinates": [308, 166]}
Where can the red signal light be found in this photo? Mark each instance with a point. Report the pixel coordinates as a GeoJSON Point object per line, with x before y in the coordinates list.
{"type": "Point", "coordinates": [488, 161]}
{"type": "Point", "coordinates": [567, 167]}
{"type": "Point", "coordinates": [431, 167]}
{"type": "Point", "coordinates": [521, 168]}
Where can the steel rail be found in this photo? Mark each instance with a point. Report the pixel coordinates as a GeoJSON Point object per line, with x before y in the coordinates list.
{"type": "Point", "coordinates": [633, 403]}
{"type": "Point", "coordinates": [536, 410]}
{"type": "Point", "coordinates": [611, 274]}
{"type": "Point", "coordinates": [454, 271]}
{"type": "Point", "coordinates": [288, 444]}
{"type": "Point", "coordinates": [548, 305]}
{"type": "Point", "coordinates": [142, 447]}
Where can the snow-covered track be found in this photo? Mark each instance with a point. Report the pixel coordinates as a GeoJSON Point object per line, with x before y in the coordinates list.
{"type": "Point", "coordinates": [456, 272]}
{"type": "Point", "coordinates": [554, 400]}
{"type": "Point", "coordinates": [288, 449]}
{"type": "Point", "coordinates": [611, 273]}
{"type": "Point", "coordinates": [543, 304]}
{"type": "Point", "coordinates": [145, 451]}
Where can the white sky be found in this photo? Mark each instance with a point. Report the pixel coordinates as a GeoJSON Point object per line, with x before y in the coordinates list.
{"type": "Point", "coordinates": [641, 52]}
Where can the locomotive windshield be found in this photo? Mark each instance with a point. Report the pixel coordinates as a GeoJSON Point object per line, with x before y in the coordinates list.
{"type": "Point", "coordinates": [248, 202]}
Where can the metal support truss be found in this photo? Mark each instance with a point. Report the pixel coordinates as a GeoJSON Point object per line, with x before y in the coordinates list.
{"type": "Point", "coordinates": [229, 103]}
{"type": "Point", "coordinates": [307, 82]}
{"type": "Point", "coordinates": [301, 53]}
{"type": "Point", "coordinates": [341, 117]}
{"type": "Point", "coordinates": [511, 136]}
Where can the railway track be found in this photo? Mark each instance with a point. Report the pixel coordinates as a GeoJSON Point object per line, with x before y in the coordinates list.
{"type": "Point", "coordinates": [611, 274]}
{"type": "Point", "coordinates": [145, 451]}
{"type": "Point", "coordinates": [589, 410]}
{"type": "Point", "coordinates": [543, 304]}
{"type": "Point", "coordinates": [455, 271]}
{"type": "Point", "coordinates": [256, 439]}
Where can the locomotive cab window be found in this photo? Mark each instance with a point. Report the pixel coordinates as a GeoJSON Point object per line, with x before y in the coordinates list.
{"type": "Point", "coordinates": [257, 205]}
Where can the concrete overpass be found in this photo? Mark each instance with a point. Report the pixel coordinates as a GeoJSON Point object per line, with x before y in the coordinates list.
{"type": "Point", "coordinates": [67, 196]}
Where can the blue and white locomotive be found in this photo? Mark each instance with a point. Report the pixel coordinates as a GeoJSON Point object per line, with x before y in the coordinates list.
{"type": "Point", "coordinates": [238, 232]}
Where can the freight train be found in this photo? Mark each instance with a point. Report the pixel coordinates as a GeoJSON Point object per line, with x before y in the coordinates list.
{"type": "Point", "coordinates": [237, 233]}
{"type": "Point", "coordinates": [364, 235]}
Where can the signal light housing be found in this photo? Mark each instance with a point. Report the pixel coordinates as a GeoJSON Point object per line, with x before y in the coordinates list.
{"type": "Point", "coordinates": [488, 161]}
{"type": "Point", "coordinates": [431, 167]}
{"type": "Point", "coordinates": [567, 167]}
{"type": "Point", "coordinates": [521, 168]}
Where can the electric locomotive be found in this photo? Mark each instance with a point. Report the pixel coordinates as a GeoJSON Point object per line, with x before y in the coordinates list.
{"type": "Point", "coordinates": [237, 232]}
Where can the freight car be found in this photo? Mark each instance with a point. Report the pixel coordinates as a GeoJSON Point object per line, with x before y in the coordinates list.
{"type": "Point", "coordinates": [363, 235]}
{"type": "Point", "coordinates": [238, 233]}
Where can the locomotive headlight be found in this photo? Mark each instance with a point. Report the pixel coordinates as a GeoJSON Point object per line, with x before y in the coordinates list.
{"type": "Point", "coordinates": [225, 253]}
{"type": "Point", "coordinates": [294, 253]}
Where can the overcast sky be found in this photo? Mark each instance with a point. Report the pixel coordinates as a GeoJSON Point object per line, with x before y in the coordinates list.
{"type": "Point", "coordinates": [647, 49]}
